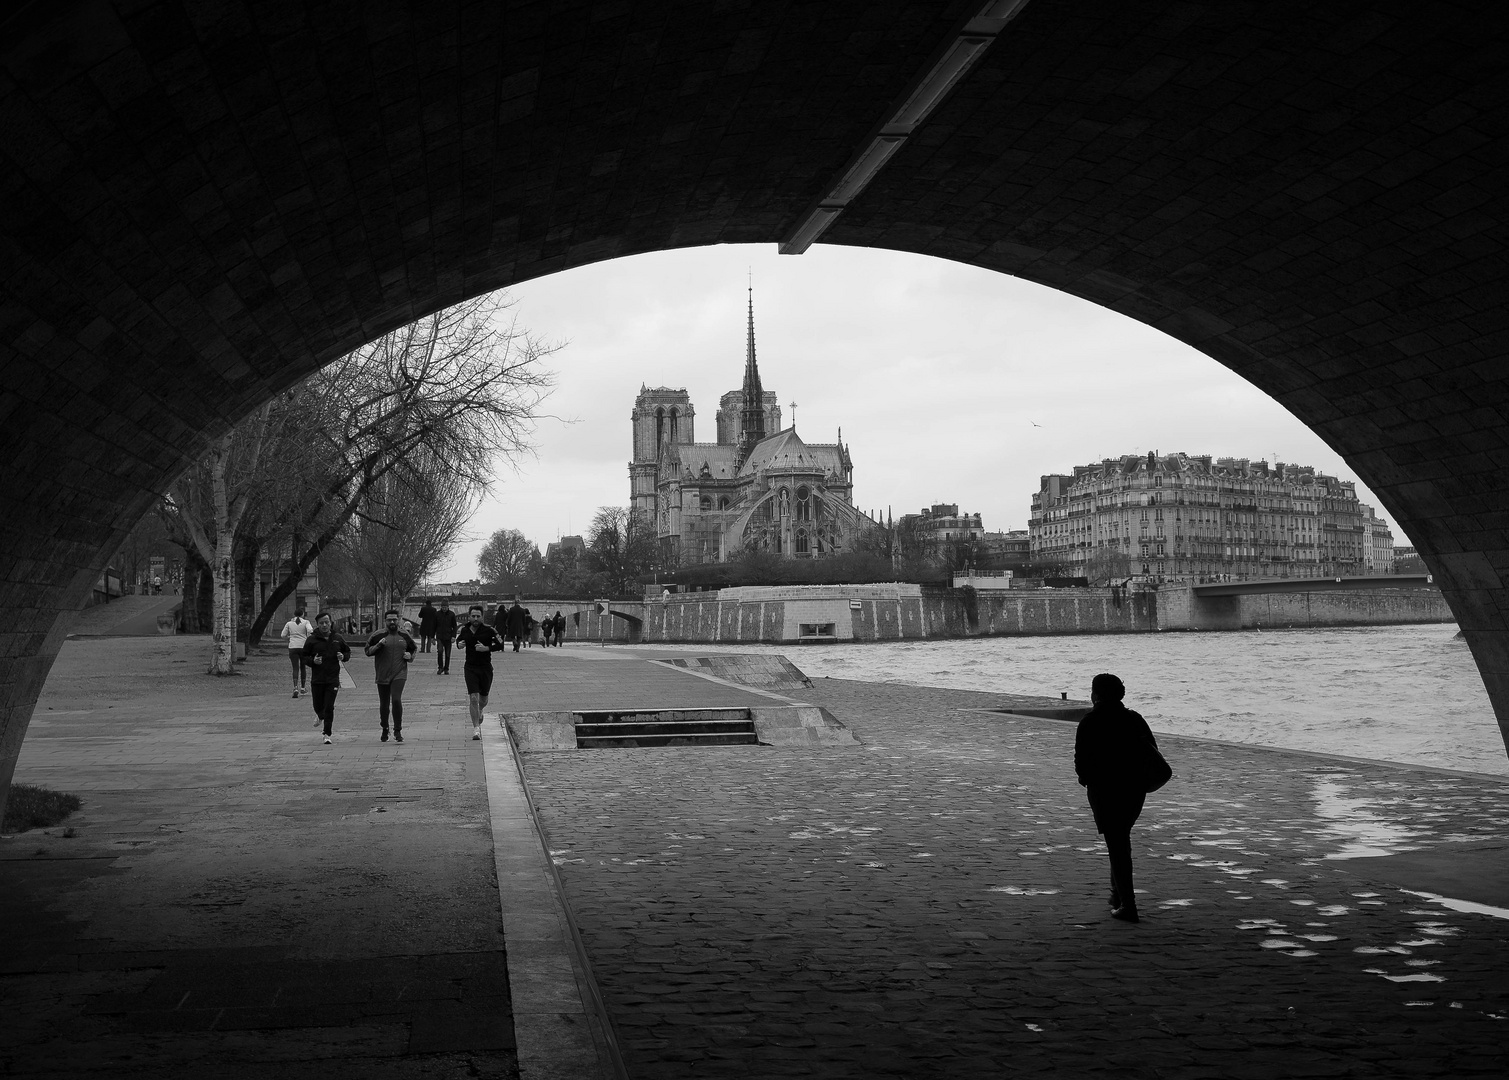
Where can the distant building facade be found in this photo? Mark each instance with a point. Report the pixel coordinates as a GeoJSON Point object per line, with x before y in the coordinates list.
{"type": "Point", "coordinates": [759, 486]}
{"type": "Point", "coordinates": [1007, 548]}
{"type": "Point", "coordinates": [564, 544]}
{"type": "Point", "coordinates": [1176, 517]}
{"type": "Point", "coordinates": [1380, 545]}
{"type": "Point", "coordinates": [942, 524]}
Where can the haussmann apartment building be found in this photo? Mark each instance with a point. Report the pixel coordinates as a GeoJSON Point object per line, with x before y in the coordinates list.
{"type": "Point", "coordinates": [1181, 518]}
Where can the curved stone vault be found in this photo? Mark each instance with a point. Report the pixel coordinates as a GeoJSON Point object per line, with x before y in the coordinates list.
{"type": "Point", "coordinates": [203, 203]}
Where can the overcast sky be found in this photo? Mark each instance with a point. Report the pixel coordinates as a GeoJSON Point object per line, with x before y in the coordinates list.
{"type": "Point", "coordinates": [952, 384]}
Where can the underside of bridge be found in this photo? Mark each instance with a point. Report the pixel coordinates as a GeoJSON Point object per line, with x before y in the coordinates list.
{"type": "Point", "coordinates": [203, 203]}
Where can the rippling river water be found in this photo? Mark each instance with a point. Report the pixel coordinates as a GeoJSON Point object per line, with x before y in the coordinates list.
{"type": "Point", "coordinates": [1395, 693]}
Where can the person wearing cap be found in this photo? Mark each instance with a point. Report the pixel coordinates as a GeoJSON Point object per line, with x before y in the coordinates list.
{"type": "Point", "coordinates": [1109, 746]}
{"type": "Point", "coordinates": [391, 650]}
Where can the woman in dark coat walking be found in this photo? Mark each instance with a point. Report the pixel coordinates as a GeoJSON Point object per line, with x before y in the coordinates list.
{"type": "Point", "coordinates": [1110, 752]}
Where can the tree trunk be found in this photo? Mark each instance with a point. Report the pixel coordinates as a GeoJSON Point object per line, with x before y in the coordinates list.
{"type": "Point", "coordinates": [285, 588]}
{"type": "Point", "coordinates": [223, 656]}
{"type": "Point", "coordinates": [247, 559]}
{"type": "Point", "coordinates": [197, 589]}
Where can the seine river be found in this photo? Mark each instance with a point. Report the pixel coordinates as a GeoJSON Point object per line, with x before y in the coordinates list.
{"type": "Point", "coordinates": [1394, 693]}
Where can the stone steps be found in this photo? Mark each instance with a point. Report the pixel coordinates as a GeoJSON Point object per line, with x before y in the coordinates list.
{"type": "Point", "coordinates": [667, 727]}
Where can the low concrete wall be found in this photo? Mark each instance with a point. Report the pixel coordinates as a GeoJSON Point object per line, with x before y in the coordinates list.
{"type": "Point", "coordinates": [910, 612]}
{"type": "Point", "coordinates": [890, 613]}
{"type": "Point", "coordinates": [1182, 609]}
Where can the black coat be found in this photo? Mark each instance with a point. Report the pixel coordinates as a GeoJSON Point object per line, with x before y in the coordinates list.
{"type": "Point", "coordinates": [445, 624]}
{"type": "Point", "coordinates": [331, 651]}
{"type": "Point", "coordinates": [427, 620]}
{"type": "Point", "coordinates": [1110, 748]}
{"type": "Point", "coordinates": [516, 621]}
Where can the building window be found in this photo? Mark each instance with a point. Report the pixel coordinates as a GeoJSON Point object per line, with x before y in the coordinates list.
{"type": "Point", "coordinates": [707, 502]}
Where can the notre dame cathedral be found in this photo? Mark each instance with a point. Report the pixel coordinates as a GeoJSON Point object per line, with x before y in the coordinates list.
{"type": "Point", "coordinates": [759, 486]}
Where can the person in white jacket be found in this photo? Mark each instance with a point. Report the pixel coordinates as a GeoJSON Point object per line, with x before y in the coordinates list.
{"type": "Point", "coordinates": [296, 630]}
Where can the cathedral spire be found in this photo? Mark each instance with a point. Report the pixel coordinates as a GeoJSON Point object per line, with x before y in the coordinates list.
{"type": "Point", "coordinates": [752, 430]}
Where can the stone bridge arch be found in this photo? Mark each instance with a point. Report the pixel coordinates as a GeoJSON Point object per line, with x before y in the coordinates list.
{"type": "Point", "coordinates": [200, 206]}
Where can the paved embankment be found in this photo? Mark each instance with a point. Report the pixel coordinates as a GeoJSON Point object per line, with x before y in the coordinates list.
{"type": "Point", "coordinates": [240, 899]}
{"type": "Point", "coordinates": [932, 905]}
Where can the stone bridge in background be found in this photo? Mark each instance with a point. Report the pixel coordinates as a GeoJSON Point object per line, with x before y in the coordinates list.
{"type": "Point", "coordinates": [1268, 586]}
{"type": "Point", "coordinates": [202, 204]}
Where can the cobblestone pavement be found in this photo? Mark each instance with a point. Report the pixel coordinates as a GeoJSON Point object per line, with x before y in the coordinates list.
{"type": "Point", "coordinates": [933, 905]}
{"type": "Point", "coordinates": [238, 899]}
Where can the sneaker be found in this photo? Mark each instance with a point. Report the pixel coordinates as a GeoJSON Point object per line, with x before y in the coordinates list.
{"type": "Point", "coordinates": [384, 735]}
{"type": "Point", "coordinates": [327, 740]}
{"type": "Point", "coordinates": [397, 736]}
{"type": "Point", "coordinates": [295, 693]}
{"type": "Point", "coordinates": [1126, 914]}
{"type": "Point", "coordinates": [477, 735]}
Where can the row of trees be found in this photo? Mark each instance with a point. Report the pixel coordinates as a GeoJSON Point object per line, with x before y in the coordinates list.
{"type": "Point", "coordinates": [373, 466]}
{"type": "Point", "coordinates": [620, 553]}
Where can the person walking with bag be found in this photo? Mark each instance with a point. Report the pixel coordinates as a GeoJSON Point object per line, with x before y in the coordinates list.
{"type": "Point", "coordinates": [1117, 761]}
{"type": "Point", "coordinates": [324, 651]}
{"type": "Point", "coordinates": [391, 650]}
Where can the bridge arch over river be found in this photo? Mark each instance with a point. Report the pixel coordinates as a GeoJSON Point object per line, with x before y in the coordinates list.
{"type": "Point", "coordinates": [202, 205]}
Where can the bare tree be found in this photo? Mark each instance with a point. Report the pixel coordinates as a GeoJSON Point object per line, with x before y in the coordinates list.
{"type": "Point", "coordinates": [456, 391]}
{"type": "Point", "coordinates": [403, 529]}
{"type": "Point", "coordinates": [621, 548]}
{"type": "Point", "coordinates": [206, 505]}
{"type": "Point", "coordinates": [508, 556]}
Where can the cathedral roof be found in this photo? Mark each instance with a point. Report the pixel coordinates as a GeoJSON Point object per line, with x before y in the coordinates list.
{"type": "Point", "coordinates": [720, 459]}
{"type": "Point", "coordinates": [786, 450]}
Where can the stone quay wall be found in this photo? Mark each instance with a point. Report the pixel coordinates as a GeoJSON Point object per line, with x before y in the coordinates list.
{"type": "Point", "coordinates": [1183, 609]}
{"type": "Point", "coordinates": [828, 613]}
{"type": "Point", "coordinates": [819, 613]}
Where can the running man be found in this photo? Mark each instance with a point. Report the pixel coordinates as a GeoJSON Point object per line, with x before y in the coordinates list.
{"type": "Point", "coordinates": [324, 650]}
{"type": "Point", "coordinates": [477, 642]}
{"type": "Point", "coordinates": [391, 649]}
{"type": "Point", "coordinates": [297, 631]}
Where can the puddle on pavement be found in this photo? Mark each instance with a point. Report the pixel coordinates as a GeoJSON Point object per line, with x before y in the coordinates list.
{"type": "Point", "coordinates": [1361, 831]}
{"type": "Point", "coordinates": [1467, 906]}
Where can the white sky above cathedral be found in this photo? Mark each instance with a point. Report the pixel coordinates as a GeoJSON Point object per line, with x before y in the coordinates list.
{"type": "Point", "coordinates": [952, 384]}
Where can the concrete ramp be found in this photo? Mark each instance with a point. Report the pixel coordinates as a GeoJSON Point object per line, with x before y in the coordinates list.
{"type": "Point", "coordinates": [767, 671]}
{"type": "Point", "coordinates": [129, 616]}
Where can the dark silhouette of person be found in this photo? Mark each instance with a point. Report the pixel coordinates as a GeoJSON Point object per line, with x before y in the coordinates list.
{"type": "Point", "coordinates": [547, 627]}
{"type": "Point", "coordinates": [560, 628]}
{"type": "Point", "coordinates": [1109, 751]}
{"type": "Point", "coordinates": [445, 633]}
{"type": "Point", "coordinates": [517, 621]}
{"type": "Point", "coordinates": [427, 626]}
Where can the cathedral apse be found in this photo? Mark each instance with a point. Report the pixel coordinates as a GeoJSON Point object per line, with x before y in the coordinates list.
{"type": "Point", "coordinates": [760, 486]}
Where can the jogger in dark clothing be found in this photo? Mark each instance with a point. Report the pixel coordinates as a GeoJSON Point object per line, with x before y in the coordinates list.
{"type": "Point", "coordinates": [1109, 746]}
{"type": "Point", "coordinates": [478, 642]}
{"type": "Point", "coordinates": [324, 650]}
{"type": "Point", "coordinates": [445, 633]}
{"type": "Point", "coordinates": [392, 649]}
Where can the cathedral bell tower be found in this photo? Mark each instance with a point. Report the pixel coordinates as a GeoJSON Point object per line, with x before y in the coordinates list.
{"type": "Point", "coordinates": [661, 417]}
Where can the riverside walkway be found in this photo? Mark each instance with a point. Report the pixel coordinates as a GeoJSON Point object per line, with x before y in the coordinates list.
{"type": "Point", "coordinates": [927, 904]}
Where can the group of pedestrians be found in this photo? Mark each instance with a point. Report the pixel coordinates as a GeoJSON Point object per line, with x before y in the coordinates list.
{"type": "Point", "coordinates": [316, 651]}
{"type": "Point", "coordinates": [1116, 757]}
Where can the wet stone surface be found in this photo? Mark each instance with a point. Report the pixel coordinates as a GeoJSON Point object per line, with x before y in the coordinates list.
{"type": "Point", "coordinates": [933, 905]}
